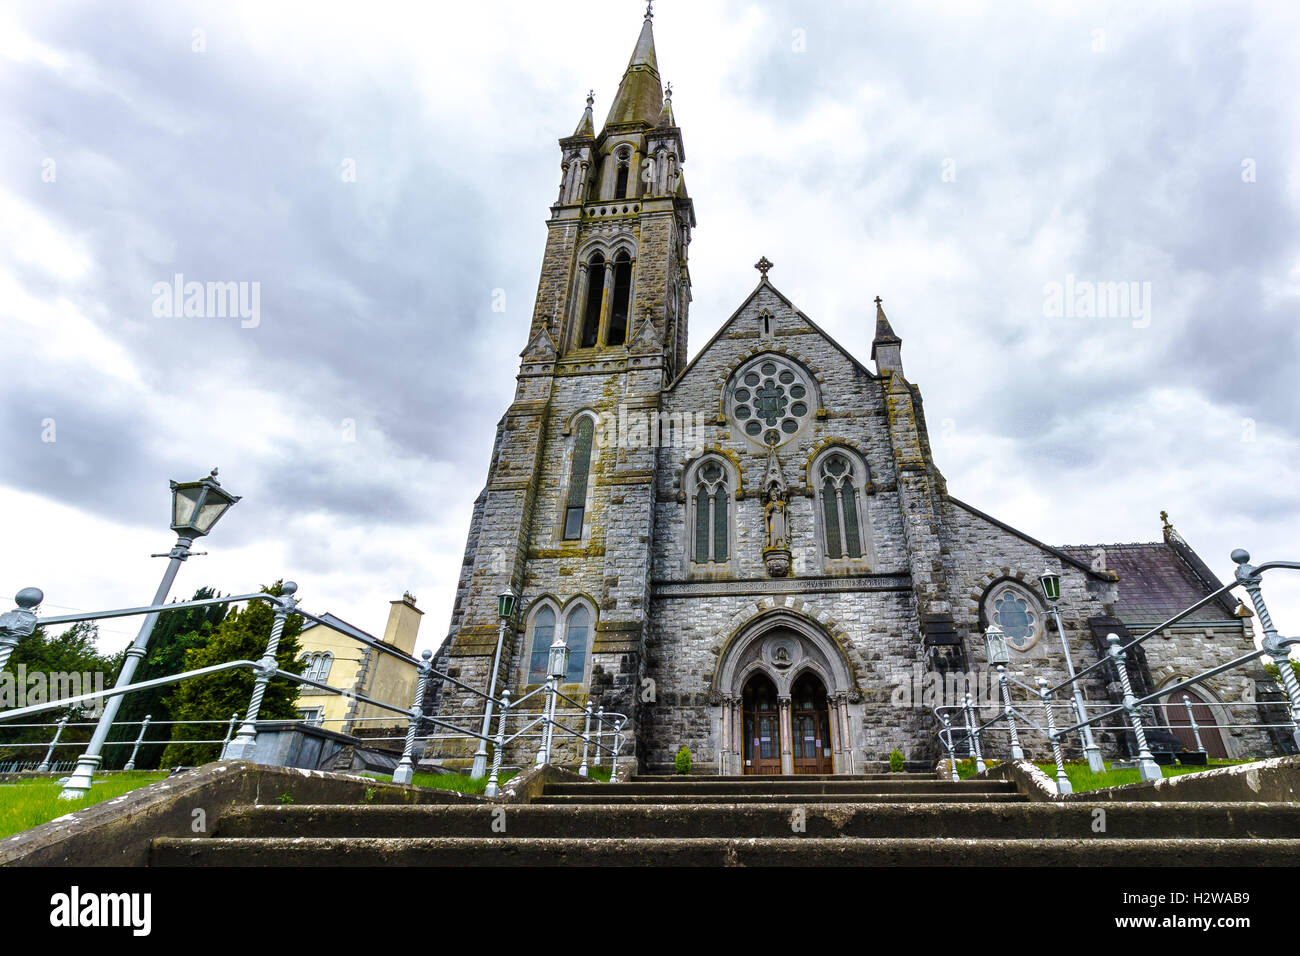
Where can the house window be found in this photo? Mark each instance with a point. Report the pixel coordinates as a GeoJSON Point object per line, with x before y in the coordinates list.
{"type": "Point", "coordinates": [712, 518]}
{"type": "Point", "coordinates": [312, 715]}
{"type": "Point", "coordinates": [576, 508]}
{"type": "Point", "coordinates": [317, 665]}
{"type": "Point", "coordinates": [543, 637]}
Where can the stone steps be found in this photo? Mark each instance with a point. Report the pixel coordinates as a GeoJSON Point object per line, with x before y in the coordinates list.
{"type": "Point", "coordinates": [1010, 821]}
{"type": "Point", "coordinates": [763, 851]}
{"type": "Point", "coordinates": [784, 786]}
{"type": "Point", "coordinates": [783, 799]}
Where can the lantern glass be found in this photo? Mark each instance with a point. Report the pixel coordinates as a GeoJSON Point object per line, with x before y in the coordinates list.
{"type": "Point", "coordinates": [506, 604]}
{"type": "Point", "coordinates": [995, 646]}
{"type": "Point", "coordinates": [559, 664]}
{"type": "Point", "coordinates": [198, 505]}
{"type": "Point", "coordinates": [1051, 583]}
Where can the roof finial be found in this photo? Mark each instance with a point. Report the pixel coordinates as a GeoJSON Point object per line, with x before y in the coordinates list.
{"type": "Point", "coordinates": [649, 9]}
{"type": "Point", "coordinates": [668, 90]}
{"type": "Point", "coordinates": [591, 98]}
{"type": "Point", "coordinates": [762, 265]}
{"type": "Point", "coordinates": [1164, 518]}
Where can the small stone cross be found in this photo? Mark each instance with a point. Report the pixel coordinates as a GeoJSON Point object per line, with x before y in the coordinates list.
{"type": "Point", "coordinates": [762, 265]}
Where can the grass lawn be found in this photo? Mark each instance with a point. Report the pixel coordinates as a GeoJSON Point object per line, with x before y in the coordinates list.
{"type": "Point", "coordinates": [464, 784]}
{"type": "Point", "coordinates": [29, 803]}
{"type": "Point", "coordinates": [1082, 779]}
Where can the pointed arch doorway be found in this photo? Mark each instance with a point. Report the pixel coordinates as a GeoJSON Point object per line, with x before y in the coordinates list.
{"type": "Point", "coordinates": [762, 727]}
{"type": "Point", "coordinates": [810, 725]}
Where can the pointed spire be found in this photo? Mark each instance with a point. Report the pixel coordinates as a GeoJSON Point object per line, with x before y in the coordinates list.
{"type": "Point", "coordinates": [666, 118]}
{"type": "Point", "coordinates": [585, 125]}
{"type": "Point", "coordinates": [886, 347]}
{"type": "Point", "coordinates": [640, 95]}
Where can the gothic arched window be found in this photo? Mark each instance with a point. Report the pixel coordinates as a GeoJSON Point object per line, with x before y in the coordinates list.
{"type": "Point", "coordinates": [595, 296]}
{"type": "Point", "coordinates": [543, 637]}
{"type": "Point", "coordinates": [840, 481]}
{"type": "Point", "coordinates": [710, 513]}
{"type": "Point", "coordinates": [575, 509]}
{"type": "Point", "coordinates": [577, 632]}
{"type": "Point", "coordinates": [620, 182]}
{"type": "Point", "coordinates": [621, 299]}
{"type": "Point", "coordinates": [317, 666]}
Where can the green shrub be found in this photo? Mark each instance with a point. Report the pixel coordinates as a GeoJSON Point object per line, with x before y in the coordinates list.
{"type": "Point", "coordinates": [896, 761]}
{"type": "Point", "coordinates": [682, 762]}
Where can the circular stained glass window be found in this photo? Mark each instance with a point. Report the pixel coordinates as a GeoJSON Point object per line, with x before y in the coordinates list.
{"type": "Point", "coordinates": [770, 399]}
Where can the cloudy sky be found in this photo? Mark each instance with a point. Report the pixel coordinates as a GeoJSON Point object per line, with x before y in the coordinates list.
{"type": "Point", "coordinates": [380, 170]}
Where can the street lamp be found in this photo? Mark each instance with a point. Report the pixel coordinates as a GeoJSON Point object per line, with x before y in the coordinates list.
{"type": "Point", "coordinates": [1050, 582]}
{"type": "Point", "coordinates": [557, 665]}
{"type": "Point", "coordinates": [995, 651]}
{"type": "Point", "coordinates": [505, 611]}
{"type": "Point", "coordinates": [196, 508]}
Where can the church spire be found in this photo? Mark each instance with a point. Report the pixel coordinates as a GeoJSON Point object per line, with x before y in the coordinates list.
{"type": "Point", "coordinates": [886, 348]}
{"type": "Point", "coordinates": [640, 95]}
{"type": "Point", "coordinates": [585, 125]}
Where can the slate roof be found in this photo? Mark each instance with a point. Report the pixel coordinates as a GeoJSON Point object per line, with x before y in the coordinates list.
{"type": "Point", "coordinates": [1156, 582]}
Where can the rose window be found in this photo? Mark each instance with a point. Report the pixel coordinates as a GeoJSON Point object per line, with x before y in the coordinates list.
{"type": "Point", "coordinates": [770, 400]}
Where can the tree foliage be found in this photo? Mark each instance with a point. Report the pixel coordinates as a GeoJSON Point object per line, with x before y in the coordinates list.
{"type": "Point", "coordinates": [175, 633]}
{"type": "Point", "coordinates": [242, 635]}
{"type": "Point", "coordinates": [36, 659]}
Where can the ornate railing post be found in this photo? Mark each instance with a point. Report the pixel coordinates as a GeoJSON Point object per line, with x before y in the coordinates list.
{"type": "Point", "coordinates": [230, 730]}
{"type": "Point", "coordinates": [405, 771]}
{"type": "Point", "coordinates": [600, 732]}
{"type": "Point", "coordinates": [1147, 766]}
{"type": "Point", "coordinates": [613, 759]}
{"type": "Point", "coordinates": [135, 751]}
{"type": "Point", "coordinates": [973, 736]}
{"type": "Point", "coordinates": [1191, 720]}
{"type": "Point", "coordinates": [243, 746]}
{"type": "Point", "coordinates": [1273, 644]}
{"type": "Point", "coordinates": [44, 765]}
{"type": "Point", "coordinates": [18, 623]}
{"type": "Point", "coordinates": [1017, 752]}
{"type": "Point", "coordinates": [548, 698]}
{"type": "Point", "coordinates": [1062, 781]}
{"type": "Point", "coordinates": [586, 739]}
{"type": "Point", "coordinates": [497, 751]}
{"type": "Point", "coordinates": [952, 757]}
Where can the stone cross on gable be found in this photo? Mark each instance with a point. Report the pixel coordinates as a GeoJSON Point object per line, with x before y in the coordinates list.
{"type": "Point", "coordinates": [762, 265]}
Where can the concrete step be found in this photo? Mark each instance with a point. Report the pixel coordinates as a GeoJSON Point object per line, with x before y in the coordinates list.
{"type": "Point", "coordinates": [688, 780]}
{"type": "Point", "coordinates": [765, 851]}
{"type": "Point", "coordinates": [783, 799]}
{"type": "Point", "coordinates": [776, 786]}
{"type": "Point", "coordinates": [1008, 821]}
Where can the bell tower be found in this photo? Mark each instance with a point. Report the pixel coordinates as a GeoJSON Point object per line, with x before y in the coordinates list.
{"type": "Point", "coordinates": [614, 274]}
{"type": "Point", "coordinates": [566, 517]}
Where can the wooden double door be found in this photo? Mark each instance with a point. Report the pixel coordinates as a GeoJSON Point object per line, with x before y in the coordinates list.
{"type": "Point", "coordinates": [806, 723]}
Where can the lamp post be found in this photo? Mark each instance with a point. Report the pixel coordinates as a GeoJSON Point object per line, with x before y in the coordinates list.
{"type": "Point", "coordinates": [196, 508]}
{"type": "Point", "coordinates": [995, 649]}
{"type": "Point", "coordinates": [505, 611]}
{"type": "Point", "coordinates": [1051, 585]}
{"type": "Point", "coordinates": [18, 623]}
{"type": "Point", "coordinates": [557, 666]}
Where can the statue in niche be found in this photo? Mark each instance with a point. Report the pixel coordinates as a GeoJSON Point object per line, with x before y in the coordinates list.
{"type": "Point", "coordinates": [778, 535]}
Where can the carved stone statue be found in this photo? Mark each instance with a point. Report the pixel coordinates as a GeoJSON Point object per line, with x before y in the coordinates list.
{"type": "Point", "coordinates": [778, 535]}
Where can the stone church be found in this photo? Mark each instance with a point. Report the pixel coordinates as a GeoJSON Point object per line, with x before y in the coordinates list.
{"type": "Point", "coordinates": [749, 552]}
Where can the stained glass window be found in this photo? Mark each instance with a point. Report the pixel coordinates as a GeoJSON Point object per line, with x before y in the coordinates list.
{"type": "Point", "coordinates": [577, 501]}
{"type": "Point", "coordinates": [768, 400]}
{"type": "Point", "coordinates": [576, 637]}
{"type": "Point", "coordinates": [543, 637]}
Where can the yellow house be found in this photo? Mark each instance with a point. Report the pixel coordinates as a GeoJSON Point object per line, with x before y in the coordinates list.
{"type": "Point", "coordinates": [338, 660]}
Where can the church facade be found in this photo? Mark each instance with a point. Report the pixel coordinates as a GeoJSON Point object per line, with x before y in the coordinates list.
{"type": "Point", "coordinates": [752, 553]}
